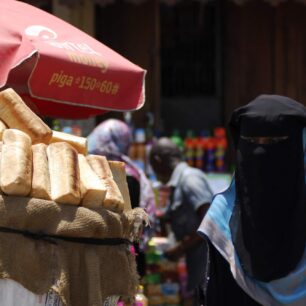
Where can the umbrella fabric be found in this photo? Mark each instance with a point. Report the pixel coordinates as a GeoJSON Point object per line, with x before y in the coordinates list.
{"type": "Point", "coordinates": [61, 71]}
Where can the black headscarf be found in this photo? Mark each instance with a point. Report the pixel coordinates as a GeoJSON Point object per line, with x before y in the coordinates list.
{"type": "Point", "coordinates": [268, 225]}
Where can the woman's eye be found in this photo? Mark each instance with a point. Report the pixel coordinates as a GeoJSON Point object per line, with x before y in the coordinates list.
{"type": "Point", "coordinates": [264, 140]}
{"type": "Point", "coordinates": [274, 140]}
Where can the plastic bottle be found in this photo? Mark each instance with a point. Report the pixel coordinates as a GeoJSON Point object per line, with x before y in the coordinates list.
{"type": "Point", "coordinates": [67, 129]}
{"type": "Point", "coordinates": [219, 132]}
{"type": "Point", "coordinates": [210, 155]}
{"type": "Point", "coordinates": [153, 258]}
{"type": "Point", "coordinates": [177, 139]}
{"type": "Point", "coordinates": [183, 277]}
{"type": "Point", "coordinates": [56, 126]}
{"type": "Point", "coordinates": [190, 148]}
{"type": "Point", "coordinates": [140, 298]}
{"type": "Point", "coordinates": [221, 146]}
{"type": "Point", "coordinates": [76, 130]}
{"type": "Point", "coordinates": [220, 150]}
{"type": "Point", "coordinates": [200, 148]}
{"type": "Point", "coordinates": [204, 136]}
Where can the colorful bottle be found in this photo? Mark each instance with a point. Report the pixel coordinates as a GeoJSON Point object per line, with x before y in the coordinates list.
{"type": "Point", "coordinates": [76, 130]}
{"type": "Point", "coordinates": [140, 298]}
{"type": "Point", "coordinates": [210, 155]}
{"type": "Point", "coordinates": [221, 147]}
{"type": "Point", "coordinates": [67, 129]}
{"type": "Point", "coordinates": [177, 139]}
{"type": "Point", "coordinates": [204, 135]}
{"type": "Point", "coordinates": [56, 126]}
{"type": "Point", "coordinates": [200, 148]}
{"type": "Point", "coordinates": [219, 132]}
{"type": "Point", "coordinates": [190, 148]}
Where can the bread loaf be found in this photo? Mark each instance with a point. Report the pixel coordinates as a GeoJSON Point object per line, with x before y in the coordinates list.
{"type": "Point", "coordinates": [2, 128]}
{"type": "Point", "coordinates": [119, 175]}
{"type": "Point", "coordinates": [13, 137]}
{"type": "Point", "coordinates": [16, 114]}
{"type": "Point", "coordinates": [100, 165]}
{"type": "Point", "coordinates": [79, 143]}
{"type": "Point", "coordinates": [92, 190]}
{"type": "Point", "coordinates": [41, 177]}
{"type": "Point", "coordinates": [16, 163]}
{"type": "Point", "coordinates": [113, 199]}
{"type": "Point", "coordinates": [64, 173]}
{"type": "Point", "coordinates": [1, 143]}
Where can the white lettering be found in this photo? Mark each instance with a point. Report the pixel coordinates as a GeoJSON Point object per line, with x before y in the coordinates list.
{"type": "Point", "coordinates": [47, 35]}
{"type": "Point", "coordinates": [70, 46]}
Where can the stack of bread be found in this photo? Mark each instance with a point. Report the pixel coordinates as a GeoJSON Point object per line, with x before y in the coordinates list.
{"type": "Point", "coordinates": [40, 163]}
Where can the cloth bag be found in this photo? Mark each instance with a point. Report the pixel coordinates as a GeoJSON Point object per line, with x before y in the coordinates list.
{"type": "Point", "coordinates": [80, 254]}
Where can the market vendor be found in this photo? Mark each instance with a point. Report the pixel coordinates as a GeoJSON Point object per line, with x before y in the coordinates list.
{"type": "Point", "coordinates": [257, 228]}
{"type": "Point", "coordinates": [189, 200]}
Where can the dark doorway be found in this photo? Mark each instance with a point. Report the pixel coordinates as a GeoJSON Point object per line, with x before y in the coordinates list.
{"type": "Point", "coordinates": [189, 66]}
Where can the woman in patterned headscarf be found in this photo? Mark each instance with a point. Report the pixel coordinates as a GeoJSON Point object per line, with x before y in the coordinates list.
{"type": "Point", "coordinates": [112, 138]}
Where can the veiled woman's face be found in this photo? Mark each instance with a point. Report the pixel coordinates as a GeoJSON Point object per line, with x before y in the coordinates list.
{"type": "Point", "coordinates": [264, 140]}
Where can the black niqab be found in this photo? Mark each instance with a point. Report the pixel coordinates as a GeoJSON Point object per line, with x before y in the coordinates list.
{"type": "Point", "coordinates": [268, 225]}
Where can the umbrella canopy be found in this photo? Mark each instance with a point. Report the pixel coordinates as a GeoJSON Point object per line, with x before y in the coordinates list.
{"type": "Point", "coordinates": [61, 71]}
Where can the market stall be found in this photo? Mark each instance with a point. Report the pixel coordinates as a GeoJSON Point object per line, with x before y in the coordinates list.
{"type": "Point", "coordinates": [66, 220]}
{"type": "Point", "coordinates": [166, 281]}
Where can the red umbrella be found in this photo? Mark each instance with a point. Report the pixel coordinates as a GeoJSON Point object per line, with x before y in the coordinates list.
{"type": "Point", "coordinates": [59, 70]}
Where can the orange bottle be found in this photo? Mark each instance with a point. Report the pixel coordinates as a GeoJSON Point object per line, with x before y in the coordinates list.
{"type": "Point", "coordinates": [200, 147]}
{"type": "Point", "coordinates": [190, 145]}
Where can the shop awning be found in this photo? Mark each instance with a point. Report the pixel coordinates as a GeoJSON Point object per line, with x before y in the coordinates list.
{"type": "Point", "coordinates": [59, 70]}
{"type": "Point", "coordinates": [72, 3]}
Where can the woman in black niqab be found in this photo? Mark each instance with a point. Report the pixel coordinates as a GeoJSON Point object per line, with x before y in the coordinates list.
{"type": "Point", "coordinates": [268, 225]}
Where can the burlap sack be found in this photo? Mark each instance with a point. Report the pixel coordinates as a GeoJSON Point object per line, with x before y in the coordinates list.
{"type": "Point", "coordinates": [82, 274]}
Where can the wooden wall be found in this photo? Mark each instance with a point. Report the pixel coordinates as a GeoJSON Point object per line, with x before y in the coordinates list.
{"type": "Point", "coordinates": [133, 31]}
{"type": "Point", "coordinates": [264, 52]}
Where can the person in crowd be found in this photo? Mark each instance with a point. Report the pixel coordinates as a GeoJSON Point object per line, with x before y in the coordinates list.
{"type": "Point", "coordinates": [112, 138]}
{"type": "Point", "coordinates": [257, 228]}
{"type": "Point", "coordinates": [190, 198]}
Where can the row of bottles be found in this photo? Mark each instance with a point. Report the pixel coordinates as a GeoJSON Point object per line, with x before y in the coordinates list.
{"type": "Point", "coordinates": [204, 152]}
{"type": "Point", "coordinates": [162, 278]}
{"type": "Point", "coordinates": [57, 125]}
{"type": "Point", "coordinates": [162, 284]}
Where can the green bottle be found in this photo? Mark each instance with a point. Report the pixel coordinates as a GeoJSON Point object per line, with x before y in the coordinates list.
{"type": "Point", "coordinates": [56, 125]}
{"type": "Point", "coordinates": [176, 138]}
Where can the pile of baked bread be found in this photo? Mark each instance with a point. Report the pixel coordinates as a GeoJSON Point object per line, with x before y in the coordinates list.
{"type": "Point", "coordinates": [40, 163]}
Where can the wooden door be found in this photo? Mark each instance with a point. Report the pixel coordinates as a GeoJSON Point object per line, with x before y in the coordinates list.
{"type": "Point", "coordinates": [265, 52]}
